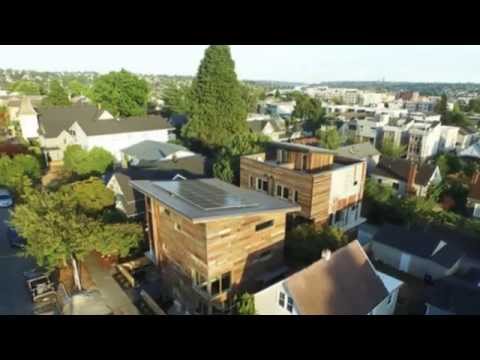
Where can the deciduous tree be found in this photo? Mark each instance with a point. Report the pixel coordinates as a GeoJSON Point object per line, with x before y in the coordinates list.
{"type": "Point", "coordinates": [85, 163]}
{"type": "Point", "coordinates": [57, 95]}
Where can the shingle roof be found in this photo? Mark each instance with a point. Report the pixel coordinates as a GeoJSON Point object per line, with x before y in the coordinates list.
{"type": "Point", "coordinates": [53, 120]}
{"type": "Point", "coordinates": [258, 202]}
{"type": "Point", "coordinates": [399, 169]}
{"type": "Point", "coordinates": [258, 125]}
{"type": "Point", "coordinates": [358, 151]}
{"type": "Point", "coordinates": [451, 296]}
{"type": "Point", "coordinates": [442, 247]}
{"type": "Point", "coordinates": [472, 151]}
{"type": "Point", "coordinates": [347, 284]}
{"type": "Point", "coordinates": [152, 150]}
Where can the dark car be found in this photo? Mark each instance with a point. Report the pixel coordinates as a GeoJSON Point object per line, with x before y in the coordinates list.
{"type": "Point", "coordinates": [15, 240]}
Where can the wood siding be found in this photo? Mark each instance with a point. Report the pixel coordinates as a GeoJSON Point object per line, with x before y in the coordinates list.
{"type": "Point", "coordinates": [213, 249]}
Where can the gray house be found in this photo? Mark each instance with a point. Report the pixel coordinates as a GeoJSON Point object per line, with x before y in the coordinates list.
{"type": "Point", "coordinates": [364, 151]}
{"type": "Point", "coordinates": [426, 254]}
{"type": "Point", "coordinates": [131, 202]}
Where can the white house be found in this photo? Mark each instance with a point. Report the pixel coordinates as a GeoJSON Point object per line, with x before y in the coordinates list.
{"type": "Point", "coordinates": [342, 283]}
{"type": "Point", "coordinates": [89, 127]}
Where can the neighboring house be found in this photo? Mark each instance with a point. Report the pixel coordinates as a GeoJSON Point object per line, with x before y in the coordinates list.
{"type": "Point", "coordinates": [27, 117]}
{"type": "Point", "coordinates": [466, 138]}
{"type": "Point", "coordinates": [364, 151]}
{"type": "Point", "coordinates": [89, 126]}
{"type": "Point", "coordinates": [131, 202]}
{"type": "Point", "coordinates": [342, 283]}
{"type": "Point", "coordinates": [149, 152]}
{"type": "Point", "coordinates": [425, 254]}
{"type": "Point", "coordinates": [284, 108]}
{"type": "Point", "coordinates": [453, 296]}
{"type": "Point", "coordinates": [329, 188]}
{"type": "Point", "coordinates": [405, 176]}
{"type": "Point", "coordinates": [272, 128]}
{"type": "Point", "coordinates": [473, 199]}
{"type": "Point", "coordinates": [472, 152]}
{"type": "Point", "coordinates": [212, 240]}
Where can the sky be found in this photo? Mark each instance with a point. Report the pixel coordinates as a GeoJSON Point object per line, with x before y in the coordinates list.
{"type": "Point", "coordinates": [294, 63]}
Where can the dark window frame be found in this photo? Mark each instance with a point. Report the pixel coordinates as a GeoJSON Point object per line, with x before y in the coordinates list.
{"type": "Point", "coordinates": [264, 225]}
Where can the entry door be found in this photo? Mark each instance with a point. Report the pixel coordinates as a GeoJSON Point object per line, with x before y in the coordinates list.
{"type": "Point", "coordinates": [405, 262]}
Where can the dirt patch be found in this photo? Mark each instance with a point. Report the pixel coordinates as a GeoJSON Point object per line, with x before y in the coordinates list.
{"type": "Point", "coordinates": [66, 278]}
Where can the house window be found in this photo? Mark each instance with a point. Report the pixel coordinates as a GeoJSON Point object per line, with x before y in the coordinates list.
{"type": "Point", "coordinates": [304, 162]}
{"type": "Point", "coordinates": [264, 225]}
{"type": "Point", "coordinates": [167, 212]}
{"type": "Point", "coordinates": [295, 196]}
{"type": "Point", "coordinates": [285, 193]}
{"type": "Point", "coordinates": [252, 184]}
{"type": "Point", "coordinates": [476, 211]}
{"type": "Point", "coordinates": [279, 190]}
{"type": "Point", "coordinates": [290, 304]}
{"type": "Point", "coordinates": [355, 183]}
{"type": "Point", "coordinates": [389, 300]}
{"type": "Point", "coordinates": [396, 186]}
{"type": "Point", "coordinates": [259, 184]}
{"type": "Point", "coordinates": [226, 281]}
{"type": "Point", "coordinates": [281, 299]}
{"type": "Point", "coordinates": [215, 287]}
{"type": "Point", "coordinates": [265, 186]}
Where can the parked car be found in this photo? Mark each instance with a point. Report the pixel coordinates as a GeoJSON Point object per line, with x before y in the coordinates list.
{"type": "Point", "coordinates": [15, 240]}
{"type": "Point", "coordinates": [6, 199]}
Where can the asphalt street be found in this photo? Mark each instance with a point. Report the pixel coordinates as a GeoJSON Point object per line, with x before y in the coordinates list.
{"type": "Point", "coordinates": [14, 296]}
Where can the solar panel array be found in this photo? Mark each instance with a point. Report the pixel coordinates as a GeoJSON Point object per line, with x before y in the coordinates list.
{"type": "Point", "coordinates": [205, 196]}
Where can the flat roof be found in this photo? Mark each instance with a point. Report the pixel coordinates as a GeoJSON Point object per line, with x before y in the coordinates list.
{"type": "Point", "coordinates": [204, 200]}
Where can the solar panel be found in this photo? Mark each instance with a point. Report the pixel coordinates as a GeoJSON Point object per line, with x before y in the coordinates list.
{"type": "Point", "coordinates": [204, 195]}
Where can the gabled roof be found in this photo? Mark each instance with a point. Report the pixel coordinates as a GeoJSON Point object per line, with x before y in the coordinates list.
{"type": "Point", "coordinates": [346, 284]}
{"type": "Point", "coordinates": [26, 107]}
{"type": "Point", "coordinates": [358, 151]}
{"type": "Point", "coordinates": [400, 168]}
{"type": "Point", "coordinates": [192, 167]}
{"type": "Point", "coordinates": [472, 151]}
{"type": "Point", "coordinates": [450, 295]}
{"type": "Point", "coordinates": [259, 125]}
{"type": "Point", "coordinates": [152, 150]}
{"type": "Point", "coordinates": [442, 247]}
{"type": "Point", "coordinates": [54, 120]}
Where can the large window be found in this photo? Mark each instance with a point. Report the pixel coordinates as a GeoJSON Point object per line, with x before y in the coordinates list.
{"type": "Point", "coordinates": [264, 225]}
{"type": "Point", "coordinates": [265, 186]}
{"type": "Point", "coordinates": [396, 186]}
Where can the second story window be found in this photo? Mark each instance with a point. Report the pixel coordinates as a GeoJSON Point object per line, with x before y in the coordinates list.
{"type": "Point", "coordinates": [252, 183]}
{"type": "Point", "coordinates": [295, 196]}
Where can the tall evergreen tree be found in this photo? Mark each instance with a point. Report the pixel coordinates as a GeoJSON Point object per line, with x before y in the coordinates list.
{"type": "Point", "coordinates": [217, 109]}
{"type": "Point", "coordinates": [57, 96]}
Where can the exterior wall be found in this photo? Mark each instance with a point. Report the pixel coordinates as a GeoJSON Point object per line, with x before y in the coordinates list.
{"type": "Point", "coordinates": [114, 143]}
{"type": "Point", "coordinates": [294, 180]}
{"type": "Point", "coordinates": [418, 267]}
{"type": "Point", "coordinates": [449, 138]}
{"type": "Point", "coordinates": [55, 147]}
{"type": "Point", "coordinates": [266, 301]}
{"type": "Point", "coordinates": [402, 190]}
{"type": "Point", "coordinates": [232, 245]}
{"type": "Point", "coordinates": [29, 126]}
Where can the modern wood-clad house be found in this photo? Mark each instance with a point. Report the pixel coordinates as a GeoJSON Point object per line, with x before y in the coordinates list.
{"type": "Point", "coordinates": [211, 239]}
{"type": "Point", "coordinates": [329, 188]}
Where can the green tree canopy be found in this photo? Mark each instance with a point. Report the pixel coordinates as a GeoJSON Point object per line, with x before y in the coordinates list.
{"type": "Point", "coordinates": [84, 163]}
{"type": "Point", "coordinates": [330, 138]}
{"type": "Point", "coordinates": [14, 170]}
{"type": "Point", "coordinates": [389, 149]}
{"type": "Point", "coordinates": [59, 233]}
{"type": "Point", "coordinates": [244, 305]}
{"type": "Point", "coordinates": [304, 245]}
{"type": "Point", "coordinates": [57, 95]}
{"type": "Point", "coordinates": [25, 87]}
{"type": "Point", "coordinates": [474, 105]}
{"type": "Point", "coordinates": [92, 195]}
{"type": "Point", "coordinates": [310, 110]}
{"type": "Point", "coordinates": [176, 98]}
{"type": "Point", "coordinates": [121, 93]}
{"type": "Point", "coordinates": [76, 88]}
{"type": "Point", "coordinates": [217, 108]}
{"type": "Point", "coordinates": [448, 164]}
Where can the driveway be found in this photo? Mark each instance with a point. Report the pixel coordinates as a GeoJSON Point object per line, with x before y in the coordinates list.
{"type": "Point", "coordinates": [14, 297]}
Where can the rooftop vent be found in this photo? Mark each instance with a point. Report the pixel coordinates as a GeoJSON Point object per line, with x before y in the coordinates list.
{"type": "Point", "coordinates": [326, 254]}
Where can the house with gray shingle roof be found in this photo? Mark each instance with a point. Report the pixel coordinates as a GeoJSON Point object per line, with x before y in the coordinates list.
{"type": "Point", "coordinates": [364, 151]}
{"type": "Point", "coordinates": [150, 152]}
{"type": "Point", "coordinates": [89, 126]}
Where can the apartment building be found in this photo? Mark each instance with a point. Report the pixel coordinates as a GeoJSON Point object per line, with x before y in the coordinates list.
{"type": "Point", "coordinates": [211, 240]}
{"type": "Point", "coordinates": [328, 188]}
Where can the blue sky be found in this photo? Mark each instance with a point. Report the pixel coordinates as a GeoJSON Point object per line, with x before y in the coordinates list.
{"type": "Point", "coordinates": [302, 63]}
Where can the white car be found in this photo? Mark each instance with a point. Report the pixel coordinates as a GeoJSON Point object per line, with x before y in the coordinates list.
{"type": "Point", "coordinates": [6, 199]}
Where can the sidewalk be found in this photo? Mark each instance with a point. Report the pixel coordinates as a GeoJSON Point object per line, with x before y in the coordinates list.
{"type": "Point", "coordinates": [113, 294]}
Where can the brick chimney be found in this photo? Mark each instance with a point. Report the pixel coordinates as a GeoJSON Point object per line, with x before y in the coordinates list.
{"type": "Point", "coordinates": [412, 174]}
{"type": "Point", "coordinates": [476, 178]}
